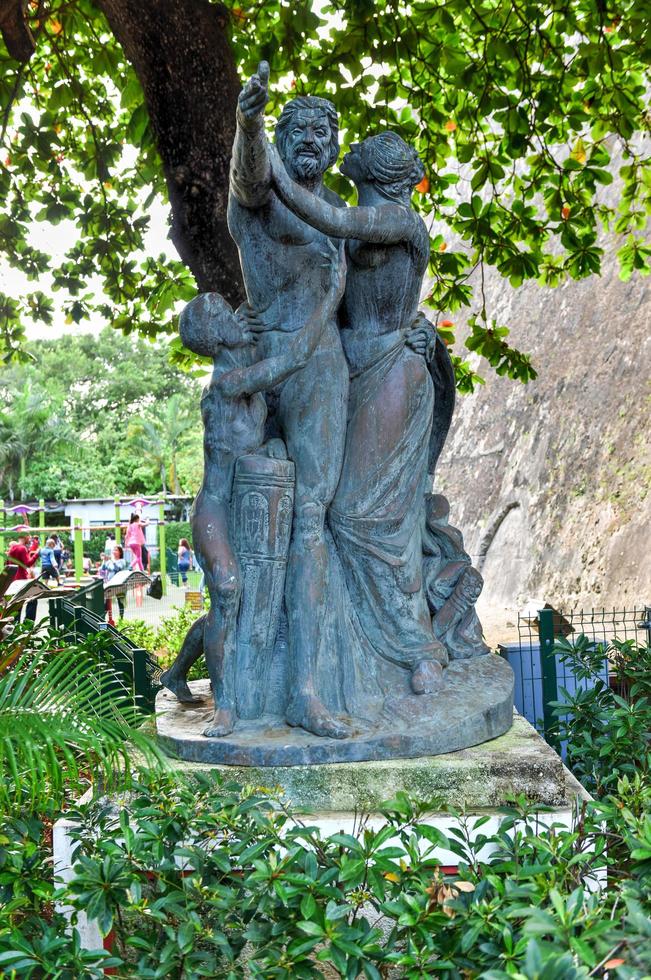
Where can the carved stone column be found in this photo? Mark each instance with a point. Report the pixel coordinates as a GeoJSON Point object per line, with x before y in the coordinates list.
{"type": "Point", "coordinates": [262, 507]}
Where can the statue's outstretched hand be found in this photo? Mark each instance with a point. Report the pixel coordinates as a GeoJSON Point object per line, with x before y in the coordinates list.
{"type": "Point", "coordinates": [255, 94]}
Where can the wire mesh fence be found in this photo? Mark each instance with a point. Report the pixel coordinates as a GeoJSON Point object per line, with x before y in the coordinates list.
{"type": "Point", "coordinates": [136, 605]}
{"type": "Point", "coordinates": [140, 606]}
{"type": "Point", "coordinates": [541, 674]}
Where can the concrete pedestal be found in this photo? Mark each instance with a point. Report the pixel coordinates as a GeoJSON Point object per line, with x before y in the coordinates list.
{"type": "Point", "coordinates": [480, 778]}
{"type": "Point", "coordinates": [475, 781]}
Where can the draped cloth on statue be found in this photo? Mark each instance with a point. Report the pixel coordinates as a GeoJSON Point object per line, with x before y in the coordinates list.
{"type": "Point", "coordinates": [377, 514]}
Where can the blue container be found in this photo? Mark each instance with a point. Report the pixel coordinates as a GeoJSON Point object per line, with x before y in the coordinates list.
{"type": "Point", "coordinates": [528, 690]}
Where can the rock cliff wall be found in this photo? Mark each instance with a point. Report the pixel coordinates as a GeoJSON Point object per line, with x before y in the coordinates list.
{"type": "Point", "coordinates": [551, 482]}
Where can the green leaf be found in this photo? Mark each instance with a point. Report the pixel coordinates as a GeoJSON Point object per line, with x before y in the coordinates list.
{"type": "Point", "coordinates": [310, 928]}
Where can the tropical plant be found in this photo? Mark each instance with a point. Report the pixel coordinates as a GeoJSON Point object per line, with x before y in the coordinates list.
{"type": "Point", "coordinates": [165, 640]}
{"type": "Point", "coordinates": [159, 438]}
{"type": "Point", "coordinates": [64, 714]}
{"type": "Point", "coordinates": [203, 878]}
{"type": "Point", "coordinates": [522, 113]}
{"type": "Point", "coordinates": [28, 425]}
{"type": "Point", "coordinates": [140, 633]}
{"type": "Point", "coordinates": [606, 724]}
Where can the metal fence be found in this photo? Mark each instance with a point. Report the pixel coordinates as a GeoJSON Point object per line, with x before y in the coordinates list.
{"type": "Point", "coordinates": [81, 615]}
{"type": "Point", "coordinates": [541, 674]}
{"type": "Point", "coordinates": [137, 605]}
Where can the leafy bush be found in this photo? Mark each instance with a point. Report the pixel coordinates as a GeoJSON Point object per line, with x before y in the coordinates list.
{"type": "Point", "coordinates": [607, 726]}
{"type": "Point", "coordinates": [200, 878]}
{"type": "Point", "coordinates": [172, 630]}
{"type": "Point", "coordinates": [166, 640]}
{"type": "Point", "coordinates": [33, 939]}
{"type": "Point", "coordinates": [141, 633]}
{"type": "Point", "coordinates": [176, 530]}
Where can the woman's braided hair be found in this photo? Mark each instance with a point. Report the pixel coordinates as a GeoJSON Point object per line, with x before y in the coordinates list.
{"type": "Point", "coordinates": [392, 164]}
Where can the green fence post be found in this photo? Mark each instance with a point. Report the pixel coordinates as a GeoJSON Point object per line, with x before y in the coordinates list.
{"type": "Point", "coordinates": [118, 529]}
{"type": "Point", "coordinates": [646, 624]}
{"type": "Point", "coordinates": [3, 518]}
{"type": "Point", "coordinates": [97, 600]}
{"type": "Point", "coordinates": [78, 549]}
{"type": "Point", "coordinates": [41, 522]}
{"type": "Point", "coordinates": [162, 554]}
{"type": "Point", "coordinates": [548, 667]}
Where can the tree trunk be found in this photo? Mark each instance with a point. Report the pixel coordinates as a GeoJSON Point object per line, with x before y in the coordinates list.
{"type": "Point", "coordinates": [15, 30]}
{"type": "Point", "coordinates": [175, 477]}
{"type": "Point", "coordinates": [181, 54]}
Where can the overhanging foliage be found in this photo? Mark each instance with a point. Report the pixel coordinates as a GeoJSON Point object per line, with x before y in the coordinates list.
{"type": "Point", "coordinates": [522, 112]}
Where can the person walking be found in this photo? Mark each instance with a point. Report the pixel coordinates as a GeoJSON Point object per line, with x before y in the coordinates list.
{"type": "Point", "coordinates": [107, 570]}
{"type": "Point", "coordinates": [49, 565]}
{"type": "Point", "coordinates": [185, 559]}
{"type": "Point", "coordinates": [202, 581]}
{"type": "Point", "coordinates": [58, 552]}
{"type": "Point", "coordinates": [22, 557]}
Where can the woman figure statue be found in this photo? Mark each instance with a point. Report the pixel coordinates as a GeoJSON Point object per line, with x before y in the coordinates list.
{"type": "Point", "coordinates": [377, 515]}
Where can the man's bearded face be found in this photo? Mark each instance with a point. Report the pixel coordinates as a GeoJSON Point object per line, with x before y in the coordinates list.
{"type": "Point", "coordinates": [307, 145]}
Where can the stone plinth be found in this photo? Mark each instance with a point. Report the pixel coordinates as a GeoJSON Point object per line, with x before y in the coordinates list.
{"type": "Point", "coordinates": [473, 705]}
{"type": "Point", "coordinates": [483, 777]}
{"type": "Point", "coordinates": [476, 781]}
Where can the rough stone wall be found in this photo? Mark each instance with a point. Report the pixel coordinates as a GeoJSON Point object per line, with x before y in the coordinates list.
{"type": "Point", "coordinates": [550, 482]}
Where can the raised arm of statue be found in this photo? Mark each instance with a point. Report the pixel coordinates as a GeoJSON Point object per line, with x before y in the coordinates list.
{"type": "Point", "coordinates": [273, 371]}
{"type": "Point", "coordinates": [384, 225]}
{"type": "Point", "coordinates": [250, 177]}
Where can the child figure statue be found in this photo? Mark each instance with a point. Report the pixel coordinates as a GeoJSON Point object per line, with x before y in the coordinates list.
{"type": "Point", "coordinates": [234, 414]}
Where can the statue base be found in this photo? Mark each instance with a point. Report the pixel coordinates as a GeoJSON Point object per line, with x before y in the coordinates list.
{"type": "Point", "coordinates": [479, 781]}
{"type": "Point", "coordinates": [473, 704]}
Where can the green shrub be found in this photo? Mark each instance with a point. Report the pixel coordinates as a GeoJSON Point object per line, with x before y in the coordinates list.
{"type": "Point", "coordinates": [607, 728]}
{"type": "Point", "coordinates": [166, 640]}
{"type": "Point", "coordinates": [176, 530]}
{"type": "Point", "coordinates": [33, 939]}
{"type": "Point", "coordinates": [171, 632]}
{"type": "Point", "coordinates": [201, 878]}
{"type": "Point", "coordinates": [139, 632]}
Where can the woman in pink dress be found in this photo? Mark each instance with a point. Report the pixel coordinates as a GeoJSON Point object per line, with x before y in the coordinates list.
{"type": "Point", "coordinates": [134, 540]}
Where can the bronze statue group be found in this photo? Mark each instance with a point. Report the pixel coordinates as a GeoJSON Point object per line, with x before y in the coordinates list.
{"type": "Point", "coordinates": [334, 576]}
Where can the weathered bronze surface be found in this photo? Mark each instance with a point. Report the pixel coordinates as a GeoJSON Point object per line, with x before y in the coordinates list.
{"type": "Point", "coordinates": [342, 602]}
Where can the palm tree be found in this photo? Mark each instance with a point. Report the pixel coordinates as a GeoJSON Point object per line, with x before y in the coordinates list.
{"type": "Point", "coordinates": [160, 438]}
{"type": "Point", "coordinates": [28, 425]}
{"type": "Point", "coordinates": [64, 712]}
